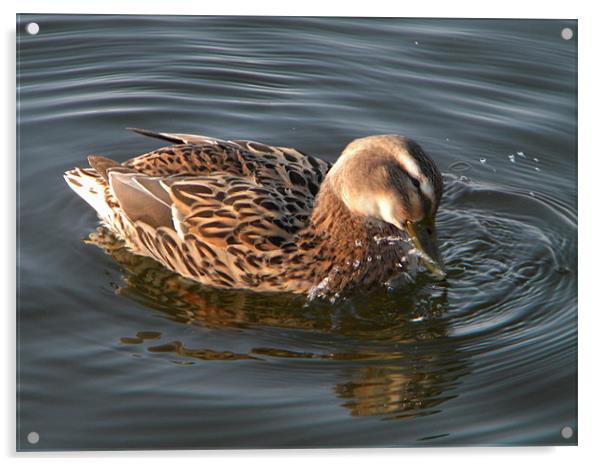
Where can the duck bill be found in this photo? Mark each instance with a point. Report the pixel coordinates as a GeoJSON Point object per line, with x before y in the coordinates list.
{"type": "Point", "coordinates": [424, 237]}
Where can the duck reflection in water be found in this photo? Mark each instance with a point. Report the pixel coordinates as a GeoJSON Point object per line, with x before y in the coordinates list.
{"type": "Point", "coordinates": [399, 364]}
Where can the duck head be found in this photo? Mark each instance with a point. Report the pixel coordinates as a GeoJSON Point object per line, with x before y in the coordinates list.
{"type": "Point", "coordinates": [390, 178]}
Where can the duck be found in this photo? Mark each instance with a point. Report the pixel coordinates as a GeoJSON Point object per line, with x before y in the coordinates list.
{"type": "Point", "coordinates": [246, 215]}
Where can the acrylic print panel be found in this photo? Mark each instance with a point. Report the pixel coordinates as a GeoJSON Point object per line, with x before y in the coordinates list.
{"type": "Point", "coordinates": [257, 297]}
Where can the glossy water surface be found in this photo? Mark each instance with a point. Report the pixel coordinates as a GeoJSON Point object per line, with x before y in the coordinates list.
{"type": "Point", "coordinates": [115, 352]}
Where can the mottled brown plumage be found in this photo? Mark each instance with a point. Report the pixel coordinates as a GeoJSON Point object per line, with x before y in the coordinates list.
{"type": "Point", "coordinates": [241, 214]}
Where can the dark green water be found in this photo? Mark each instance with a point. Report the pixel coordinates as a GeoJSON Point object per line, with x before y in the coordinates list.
{"type": "Point", "coordinates": [115, 352]}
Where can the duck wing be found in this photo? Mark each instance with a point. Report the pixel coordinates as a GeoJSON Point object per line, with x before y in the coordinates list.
{"type": "Point", "coordinates": [219, 209]}
{"type": "Point", "coordinates": [218, 228]}
{"type": "Point", "coordinates": [196, 154]}
{"type": "Point", "coordinates": [221, 212]}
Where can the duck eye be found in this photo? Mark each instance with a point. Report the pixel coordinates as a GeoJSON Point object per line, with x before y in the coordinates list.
{"type": "Point", "coordinates": [415, 182]}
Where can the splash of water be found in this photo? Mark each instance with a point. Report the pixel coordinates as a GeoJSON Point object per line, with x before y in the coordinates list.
{"type": "Point", "coordinates": [319, 290]}
{"type": "Point", "coordinates": [391, 240]}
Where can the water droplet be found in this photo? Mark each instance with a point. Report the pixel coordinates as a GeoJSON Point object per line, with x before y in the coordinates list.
{"type": "Point", "coordinates": [369, 258]}
{"type": "Point", "coordinates": [522, 154]}
{"type": "Point", "coordinates": [417, 319]}
{"type": "Point", "coordinates": [537, 169]}
{"type": "Point", "coordinates": [378, 257]}
{"type": "Point", "coordinates": [535, 159]}
{"type": "Point", "coordinates": [415, 42]}
{"type": "Point", "coordinates": [356, 263]}
{"type": "Point", "coordinates": [482, 160]}
{"type": "Point", "coordinates": [358, 243]}
{"type": "Point", "coordinates": [511, 158]}
{"type": "Point", "coordinates": [531, 193]}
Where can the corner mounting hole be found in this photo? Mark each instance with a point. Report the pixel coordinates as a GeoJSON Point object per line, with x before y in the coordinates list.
{"type": "Point", "coordinates": [32, 28]}
{"type": "Point", "coordinates": [566, 33]}
{"type": "Point", "coordinates": [33, 438]}
{"type": "Point", "coordinates": [566, 432]}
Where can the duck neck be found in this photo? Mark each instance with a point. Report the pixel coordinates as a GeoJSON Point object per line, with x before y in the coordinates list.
{"type": "Point", "coordinates": [344, 247]}
{"type": "Point", "coordinates": [331, 220]}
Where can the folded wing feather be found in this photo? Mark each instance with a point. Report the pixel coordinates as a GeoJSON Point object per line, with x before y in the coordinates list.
{"type": "Point", "coordinates": [142, 198]}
